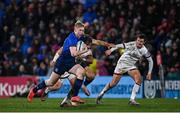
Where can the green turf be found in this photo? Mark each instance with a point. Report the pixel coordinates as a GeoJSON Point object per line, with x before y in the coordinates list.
{"type": "Point", "coordinates": [109, 105]}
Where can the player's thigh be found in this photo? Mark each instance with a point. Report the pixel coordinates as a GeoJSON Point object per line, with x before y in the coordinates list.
{"type": "Point", "coordinates": [53, 79]}
{"type": "Point", "coordinates": [118, 71]}
{"type": "Point", "coordinates": [74, 68]}
{"type": "Point", "coordinates": [72, 81]}
{"type": "Point", "coordinates": [80, 73]}
{"type": "Point", "coordinates": [135, 74]}
{"type": "Point", "coordinates": [71, 78]}
{"type": "Point", "coordinates": [89, 73]}
{"type": "Point", "coordinates": [78, 70]}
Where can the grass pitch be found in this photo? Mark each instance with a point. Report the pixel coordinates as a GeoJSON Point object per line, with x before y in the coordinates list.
{"type": "Point", "coordinates": [108, 105]}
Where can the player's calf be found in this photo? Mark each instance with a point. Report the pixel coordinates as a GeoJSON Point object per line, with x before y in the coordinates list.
{"type": "Point", "coordinates": [85, 90]}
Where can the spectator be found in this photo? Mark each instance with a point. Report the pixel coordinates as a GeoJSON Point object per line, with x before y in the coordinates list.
{"type": "Point", "coordinates": [39, 28]}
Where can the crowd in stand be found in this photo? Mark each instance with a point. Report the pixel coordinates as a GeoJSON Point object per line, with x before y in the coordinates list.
{"type": "Point", "coordinates": [31, 31]}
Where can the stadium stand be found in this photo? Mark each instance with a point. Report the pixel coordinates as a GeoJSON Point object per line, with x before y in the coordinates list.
{"type": "Point", "coordinates": [32, 30]}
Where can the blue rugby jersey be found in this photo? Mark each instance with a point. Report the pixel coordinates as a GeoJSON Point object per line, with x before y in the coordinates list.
{"type": "Point", "coordinates": [66, 61]}
{"type": "Point", "coordinates": [71, 40]}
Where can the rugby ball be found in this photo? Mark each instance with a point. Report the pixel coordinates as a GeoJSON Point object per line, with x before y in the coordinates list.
{"type": "Point", "coordinates": [89, 52]}
{"type": "Point", "coordinates": [80, 46]}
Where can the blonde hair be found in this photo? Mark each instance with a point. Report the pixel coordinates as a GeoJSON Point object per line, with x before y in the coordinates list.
{"type": "Point", "coordinates": [79, 24]}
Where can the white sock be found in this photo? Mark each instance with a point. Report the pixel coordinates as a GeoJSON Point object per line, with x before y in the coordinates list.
{"type": "Point", "coordinates": [106, 88]}
{"type": "Point", "coordinates": [134, 91]}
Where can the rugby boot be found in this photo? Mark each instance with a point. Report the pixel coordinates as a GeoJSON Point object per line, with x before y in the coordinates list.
{"type": "Point", "coordinates": [133, 102]}
{"type": "Point", "coordinates": [30, 95]}
{"type": "Point", "coordinates": [77, 99]}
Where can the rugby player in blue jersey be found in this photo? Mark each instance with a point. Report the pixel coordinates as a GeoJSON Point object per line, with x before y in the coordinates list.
{"type": "Point", "coordinates": [84, 60]}
{"type": "Point", "coordinates": [65, 61]}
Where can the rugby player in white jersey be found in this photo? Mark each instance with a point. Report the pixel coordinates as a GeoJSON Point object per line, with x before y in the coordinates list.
{"type": "Point", "coordinates": [134, 51]}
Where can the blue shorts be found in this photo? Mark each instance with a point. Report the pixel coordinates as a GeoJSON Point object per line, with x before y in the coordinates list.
{"type": "Point", "coordinates": [62, 65]}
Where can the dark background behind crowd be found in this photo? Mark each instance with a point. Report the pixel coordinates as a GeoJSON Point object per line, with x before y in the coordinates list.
{"type": "Point", "coordinates": [31, 31]}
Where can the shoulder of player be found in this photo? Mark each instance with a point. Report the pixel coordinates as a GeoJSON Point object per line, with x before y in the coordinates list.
{"type": "Point", "coordinates": [70, 40]}
{"type": "Point", "coordinates": [144, 49]}
{"type": "Point", "coordinates": [71, 35]}
{"type": "Point", "coordinates": [130, 43]}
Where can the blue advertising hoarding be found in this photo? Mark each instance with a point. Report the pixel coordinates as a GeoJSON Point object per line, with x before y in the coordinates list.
{"type": "Point", "coordinates": [122, 89]}
{"type": "Point", "coordinates": [153, 88]}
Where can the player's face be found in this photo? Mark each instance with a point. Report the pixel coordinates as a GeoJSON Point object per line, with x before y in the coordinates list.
{"type": "Point", "coordinates": [79, 31]}
{"type": "Point", "coordinates": [139, 42]}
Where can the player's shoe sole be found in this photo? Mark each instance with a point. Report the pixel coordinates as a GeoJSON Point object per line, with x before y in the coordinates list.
{"type": "Point", "coordinates": [133, 103]}
{"type": "Point", "coordinates": [72, 104]}
{"type": "Point", "coordinates": [64, 102]}
{"type": "Point", "coordinates": [77, 99]}
{"type": "Point", "coordinates": [30, 95]}
{"type": "Point", "coordinates": [68, 103]}
{"type": "Point", "coordinates": [99, 98]}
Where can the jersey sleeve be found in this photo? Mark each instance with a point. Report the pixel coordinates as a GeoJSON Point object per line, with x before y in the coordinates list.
{"type": "Point", "coordinates": [72, 42]}
{"type": "Point", "coordinates": [146, 53]}
{"type": "Point", "coordinates": [129, 44]}
{"type": "Point", "coordinates": [117, 47]}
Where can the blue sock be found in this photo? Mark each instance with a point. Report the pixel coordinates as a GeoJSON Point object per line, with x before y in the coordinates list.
{"type": "Point", "coordinates": [87, 81]}
{"type": "Point", "coordinates": [77, 86]}
{"type": "Point", "coordinates": [39, 86]}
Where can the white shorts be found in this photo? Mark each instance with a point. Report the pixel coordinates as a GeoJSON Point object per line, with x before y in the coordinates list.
{"type": "Point", "coordinates": [67, 75]}
{"type": "Point", "coordinates": [71, 76]}
{"type": "Point", "coordinates": [123, 67]}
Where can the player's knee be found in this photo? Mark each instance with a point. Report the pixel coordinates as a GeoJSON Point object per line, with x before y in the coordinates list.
{"type": "Point", "coordinates": [90, 78]}
{"type": "Point", "coordinates": [115, 80]}
{"type": "Point", "coordinates": [113, 83]}
{"type": "Point", "coordinates": [80, 74]}
{"type": "Point", "coordinates": [49, 83]}
{"type": "Point", "coordinates": [138, 81]}
{"type": "Point", "coordinates": [72, 81]}
{"type": "Point", "coordinates": [90, 75]}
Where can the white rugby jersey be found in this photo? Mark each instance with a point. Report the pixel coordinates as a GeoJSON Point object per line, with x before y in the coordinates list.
{"type": "Point", "coordinates": [132, 54]}
{"type": "Point", "coordinates": [89, 52]}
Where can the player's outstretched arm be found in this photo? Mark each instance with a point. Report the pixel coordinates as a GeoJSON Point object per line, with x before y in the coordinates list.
{"type": "Point", "coordinates": [109, 51]}
{"type": "Point", "coordinates": [102, 43]}
{"type": "Point", "coordinates": [150, 61]}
